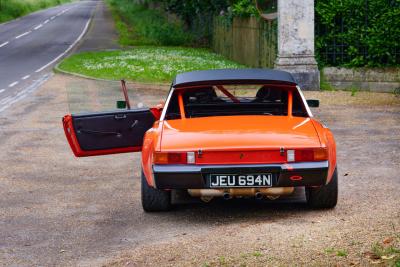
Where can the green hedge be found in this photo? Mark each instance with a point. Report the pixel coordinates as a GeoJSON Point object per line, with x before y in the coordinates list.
{"type": "Point", "coordinates": [11, 9]}
{"type": "Point", "coordinates": [358, 33]}
{"type": "Point", "coordinates": [139, 25]}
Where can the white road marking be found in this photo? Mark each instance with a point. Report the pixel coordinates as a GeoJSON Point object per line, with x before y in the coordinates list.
{"type": "Point", "coordinates": [25, 33]}
{"type": "Point", "coordinates": [3, 44]}
{"type": "Point", "coordinates": [69, 48]}
{"type": "Point", "coordinates": [8, 101]}
{"type": "Point", "coordinates": [26, 77]}
{"type": "Point", "coordinates": [13, 84]}
{"type": "Point", "coordinates": [2, 90]}
{"type": "Point", "coordinates": [45, 21]}
{"type": "Point", "coordinates": [52, 17]}
{"type": "Point", "coordinates": [4, 100]}
{"type": "Point", "coordinates": [20, 93]}
{"type": "Point", "coordinates": [38, 26]}
{"type": "Point", "coordinates": [62, 12]}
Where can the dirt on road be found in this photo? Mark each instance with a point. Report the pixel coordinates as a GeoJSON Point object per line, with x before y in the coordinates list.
{"type": "Point", "coordinates": [59, 210]}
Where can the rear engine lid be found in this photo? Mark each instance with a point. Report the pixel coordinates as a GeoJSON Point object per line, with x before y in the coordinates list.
{"type": "Point", "coordinates": [238, 133]}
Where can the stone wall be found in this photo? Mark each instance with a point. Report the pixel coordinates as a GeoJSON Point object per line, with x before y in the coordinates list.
{"type": "Point", "coordinates": [366, 79]}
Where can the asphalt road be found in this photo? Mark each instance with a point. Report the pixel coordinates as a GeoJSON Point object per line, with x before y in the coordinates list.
{"type": "Point", "coordinates": [32, 45]}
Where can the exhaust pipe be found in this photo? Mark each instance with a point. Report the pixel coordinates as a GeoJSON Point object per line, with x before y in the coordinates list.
{"type": "Point", "coordinates": [258, 193]}
{"type": "Point", "coordinates": [227, 196]}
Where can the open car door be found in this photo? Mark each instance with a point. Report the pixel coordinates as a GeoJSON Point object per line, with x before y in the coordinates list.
{"type": "Point", "coordinates": [105, 133]}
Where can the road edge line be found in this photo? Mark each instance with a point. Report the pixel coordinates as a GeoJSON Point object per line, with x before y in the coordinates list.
{"type": "Point", "coordinates": [69, 48]}
{"type": "Point", "coordinates": [24, 93]}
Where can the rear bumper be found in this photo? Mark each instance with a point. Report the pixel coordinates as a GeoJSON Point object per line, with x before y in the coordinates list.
{"type": "Point", "coordinates": [195, 176]}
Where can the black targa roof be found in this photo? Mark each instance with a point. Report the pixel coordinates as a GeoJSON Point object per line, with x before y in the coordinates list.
{"type": "Point", "coordinates": [232, 76]}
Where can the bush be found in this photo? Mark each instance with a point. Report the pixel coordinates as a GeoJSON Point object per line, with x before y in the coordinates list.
{"type": "Point", "coordinates": [244, 8]}
{"type": "Point", "coordinates": [138, 25]}
{"type": "Point", "coordinates": [358, 33]}
{"type": "Point", "coordinates": [11, 9]}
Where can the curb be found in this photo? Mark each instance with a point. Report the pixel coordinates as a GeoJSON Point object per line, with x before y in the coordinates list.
{"type": "Point", "coordinates": [56, 69]}
{"type": "Point", "coordinates": [73, 74]}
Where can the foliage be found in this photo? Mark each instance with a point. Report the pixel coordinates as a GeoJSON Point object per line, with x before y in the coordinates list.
{"type": "Point", "coordinates": [324, 85]}
{"type": "Point", "coordinates": [197, 15]}
{"type": "Point", "coordinates": [139, 25]}
{"type": "Point", "coordinates": [387, 252]}
{"type": "Point", "coordinates": [244, 8]}
{"type": "Point", "coordinates": [189, 9]}
{"type": "Point", "coordinates": [11, 9]}
{"type": "Point", "coordinates": [358, 33]}
{"type": "Point", "coordinates": [195, 19]}
{"type": "Point", "coordinates": [147, 64]}
{"type": "Point", "coordinates": [342, 253]}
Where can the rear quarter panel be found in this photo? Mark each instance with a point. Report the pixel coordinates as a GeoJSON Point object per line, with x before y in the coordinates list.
{"type": "Point", "coordinates": [327, 140]}
{"type": "Point", "coordinates": [151, 143]}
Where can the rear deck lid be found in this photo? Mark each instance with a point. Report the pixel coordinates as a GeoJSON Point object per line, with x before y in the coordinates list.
{"type": "Point", "coordinates": [238, 133]}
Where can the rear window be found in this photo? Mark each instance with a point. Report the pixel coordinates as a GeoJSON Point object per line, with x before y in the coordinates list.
{"type": "Point", "coordinates": [234, 100]}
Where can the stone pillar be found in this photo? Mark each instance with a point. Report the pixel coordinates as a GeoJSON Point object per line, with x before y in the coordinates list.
{"type": "Point", "coordinates": [296, 42]}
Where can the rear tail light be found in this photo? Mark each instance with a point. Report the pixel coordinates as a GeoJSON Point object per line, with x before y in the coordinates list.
{"type": "Point", "coordinates": [170, 157]}
{"type": "Point", "coordinates": [314, 154]}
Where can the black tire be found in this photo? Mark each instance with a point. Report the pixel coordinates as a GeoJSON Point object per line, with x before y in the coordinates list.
{"type": "Point", "coordinates": [324, 197]}
{"type": "Point", "coordinates": [154, 199]}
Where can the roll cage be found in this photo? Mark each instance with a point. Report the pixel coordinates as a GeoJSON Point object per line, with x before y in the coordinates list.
{"type": "Point", "coordinates": [292, 90]}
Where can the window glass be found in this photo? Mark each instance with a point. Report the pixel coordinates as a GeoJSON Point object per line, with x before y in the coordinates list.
{"type": "Point", "coordinates": [97, 96]}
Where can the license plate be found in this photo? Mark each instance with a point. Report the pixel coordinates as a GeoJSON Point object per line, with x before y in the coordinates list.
{"type": "Point", "coordinates": [241, 180]}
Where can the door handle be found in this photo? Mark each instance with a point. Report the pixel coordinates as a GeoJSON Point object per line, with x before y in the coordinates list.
{"type": "Point", "coordinates": [134, 124]}
{"type": "Point", "coordinates": [120, 116]}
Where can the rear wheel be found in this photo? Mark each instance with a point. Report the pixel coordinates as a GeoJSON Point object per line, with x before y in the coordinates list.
{"type": "Point", "coordinates": [324, 197]}
{"type": "Point", "coordinates": [154, 199]}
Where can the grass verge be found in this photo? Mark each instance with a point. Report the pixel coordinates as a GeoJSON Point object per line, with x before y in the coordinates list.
{"type": "Point", "coordinates": [12, 9]}
{"type": "Point", "coordinates": [144, 64]}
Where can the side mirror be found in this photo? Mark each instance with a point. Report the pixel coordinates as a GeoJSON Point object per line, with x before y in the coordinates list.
{"type": "Point", "coordinates": [313, 103]}
{"type": "Point", "coordinates": [121, 104]}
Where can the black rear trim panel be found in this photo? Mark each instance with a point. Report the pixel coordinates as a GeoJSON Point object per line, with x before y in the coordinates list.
{"type": "Point", "coordinates": [195, 176]}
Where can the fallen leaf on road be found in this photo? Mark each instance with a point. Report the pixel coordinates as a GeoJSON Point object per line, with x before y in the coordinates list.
{"type": "Point", "coordinates": [388, 257]}
{"type": "Point", "coordinates": [388, 240]}
{"type": "Point", "coordinates": [371, 255]}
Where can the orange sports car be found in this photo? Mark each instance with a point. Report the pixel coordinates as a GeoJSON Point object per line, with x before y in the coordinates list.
{"type": "Point", "coordinates": [221, 133]}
